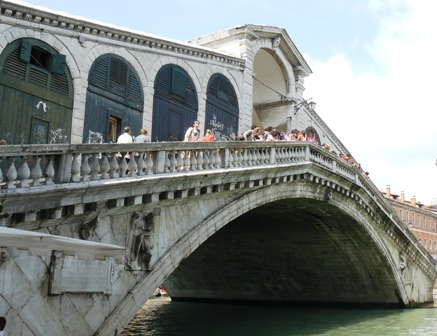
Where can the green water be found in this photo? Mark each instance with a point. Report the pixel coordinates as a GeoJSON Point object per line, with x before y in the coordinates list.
{"type": "Point", "coordinates": [167, 318]}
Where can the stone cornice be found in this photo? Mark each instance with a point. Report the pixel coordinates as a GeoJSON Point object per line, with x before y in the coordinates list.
{"type": "Point", "coordinates": [40, 17]}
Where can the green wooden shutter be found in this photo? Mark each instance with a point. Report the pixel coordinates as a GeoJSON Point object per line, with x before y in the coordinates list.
{"type": "Point", "coordinates": [57, 64]}
{"type": "Point", "coordinates": [178, 82]}
{"type": "Point", "coordinates": [26, 51]}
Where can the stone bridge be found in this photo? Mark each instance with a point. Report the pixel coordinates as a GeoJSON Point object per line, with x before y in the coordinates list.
{"type": "Point", "coordinates": [89, 231]}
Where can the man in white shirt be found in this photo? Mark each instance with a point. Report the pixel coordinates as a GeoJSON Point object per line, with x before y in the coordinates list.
{"type": "Point", "coordinates": [125, 137]}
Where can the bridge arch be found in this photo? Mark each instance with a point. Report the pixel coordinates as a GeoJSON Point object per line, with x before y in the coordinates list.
{"type": "Point", "coordinates": [360, 263]}
{"type": "Point", "coordinates": [304, 201]}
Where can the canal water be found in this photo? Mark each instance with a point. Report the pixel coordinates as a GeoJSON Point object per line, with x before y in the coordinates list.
{"type": "Point", "coordinates": [162, 317]}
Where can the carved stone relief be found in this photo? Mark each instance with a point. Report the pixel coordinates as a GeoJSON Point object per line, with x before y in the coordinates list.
{"type": "Point", "coordinates": [139, 245]}
{"type": "Point", "coordinates": [4, 256]}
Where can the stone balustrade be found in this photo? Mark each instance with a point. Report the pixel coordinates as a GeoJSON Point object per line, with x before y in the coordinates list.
{"type": "Point", "coordinates": [26, 171]}
{"type": "Point", "coordinates": [29, 166]}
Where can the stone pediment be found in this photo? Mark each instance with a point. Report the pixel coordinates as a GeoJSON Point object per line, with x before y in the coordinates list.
{"type": "Point", "coordinates": [227, 40]}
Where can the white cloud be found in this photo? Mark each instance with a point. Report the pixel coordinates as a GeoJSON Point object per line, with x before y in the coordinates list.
{"type": "Point", "coordinates": [387, 118]}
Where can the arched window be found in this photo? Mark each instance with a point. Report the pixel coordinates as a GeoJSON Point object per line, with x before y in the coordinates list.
{"type": "Point", "coordinates": [175, 104]}
{"type": "Point", "coordinates": [115, 99]}
{"type": "Point", "coordinates": [221, 108]}
{"type": "Point", "coordinates": [37, 94]}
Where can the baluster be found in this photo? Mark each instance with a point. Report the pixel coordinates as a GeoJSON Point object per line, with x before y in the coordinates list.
{"type": "Point", "coordinates": [123, 165]}
{"type": "Point", "coordinates": [298, 154]}
{"type": "Point", "coordinates": [149, 164]}
{"type": "Point", "coordinates": [249, 158]}
{"type": "Point", "coordinates": [50, 171]}
{"type": "Point", "coordinates": [207, 160]}
{"type": "Point", "coordinates": [214, 159]}
{"type": "Point", "coordinates": [245, 162]}
{"type": "Point", "coordinates": [240, 159]}
{"type": "Point", "coordinates": [104, 167]}
{"type": "Point", "coordinates": [200, 154]}
{"type": "Point", "coordinates": [85, 168]}
{"type": "Point", "coordinates": [95, 167]}
{"type": "Point", "coordinates": [180, 160]}
{"type": "Point", "coordinates": [255, 157]}
{"type": "Point", "coordinates": [187, 161]}
{"type": "Point", "coordinates": [282, 155]}
{"type": "Point", "coordinates": [288, 154]}
{"type": "Point", "coordinates": [260, 156]}
{"type": "Point", "coordinates": [23, 173]}
{"type": "Point", "coordinates": [113, 166]}
{"type": "Point", "coordinates": [193, 160]}
{"type": "Point", "coordinates": [140, 164]}
{"type": "Point", "coordinates": [11, 174]}
{"type": "Point", "coordinates": [278, 155]}
{"type": "Point", "coordinates": [229, 158]}
{"type": "Point", "coordinates": [132, 166]}
{"type": "Point", "coordinates": [235, 158]}
{"type": "Point", "coordinates": [267, 155]}
{"type": "Point", "coordinates": [174, 162]}
{"type": "Point", "coordinates": [75, 168]}
{"type": "Point", "coordinates": [167, 163]}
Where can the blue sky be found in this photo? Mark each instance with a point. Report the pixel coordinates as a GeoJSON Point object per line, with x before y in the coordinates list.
{"type": "Point", "coordinates": [373, 62]}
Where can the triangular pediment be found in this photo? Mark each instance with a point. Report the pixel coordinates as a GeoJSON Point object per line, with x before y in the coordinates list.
{"type": "Point", "coordinates": [228, 41]}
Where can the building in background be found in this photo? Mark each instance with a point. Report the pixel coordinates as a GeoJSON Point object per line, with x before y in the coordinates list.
{"type": "Point", "coordinates": [65, 79]}
{"type": "Point", "coordinates": [421, 219]}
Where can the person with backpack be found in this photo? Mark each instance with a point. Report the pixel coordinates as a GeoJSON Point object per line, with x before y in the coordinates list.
{"type": "Point", "coordinates": [193, 133]}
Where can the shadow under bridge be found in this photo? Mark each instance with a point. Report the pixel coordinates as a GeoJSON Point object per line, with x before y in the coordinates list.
{"type": "Point", "coordinates": [295, 251]}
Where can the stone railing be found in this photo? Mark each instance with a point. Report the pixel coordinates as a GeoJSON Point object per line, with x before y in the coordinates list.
{"type": "Point", "coordinates": [28, 166]}
{"type": "Point", "coordinates": [25, 169]}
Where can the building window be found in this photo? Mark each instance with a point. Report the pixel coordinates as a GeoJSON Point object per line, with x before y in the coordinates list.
{"type": "Point", "coordinates": [41, 58]}
{"type": "Point", "coordinates": [178, 82]}
{"type": "Point", "coordinates": [407, 216]}
{"type": "Point", "coordinates": [400, 214]}
{"type": "Point", "coordinates": [412, 217]}
{"type": "Point", "coordinates": [424, 242]}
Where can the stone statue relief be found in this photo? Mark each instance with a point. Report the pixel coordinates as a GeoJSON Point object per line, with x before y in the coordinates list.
{"type": "Point", "coordinates": [407, 276]}
{"type": "Point", "coordinates": [275, 42]}
{"type": "Point", "coordinates": [139, 244]}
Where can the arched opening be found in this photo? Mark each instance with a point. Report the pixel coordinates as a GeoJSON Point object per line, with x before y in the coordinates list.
{"type": "Point", "coordinates": [299, 251]}
{"type": "Point", "coordinates": [221, 108]}
{"type": "Point", "coordinates": [312, 135]}
{"type": "Point", "coordinates": [36, 94]}
{"type": "Point", "coordinates": [175, 104]}
{"type": "Point", "coordinates": [269, 92]}
{"type": "Point", "coordinates": [114, 100]}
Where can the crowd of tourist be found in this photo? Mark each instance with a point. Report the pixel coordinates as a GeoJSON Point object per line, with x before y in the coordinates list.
{"type": "Point", "coordinates": [193, 134]}
{"type": "Point", "coordinates": [270, 134]}
{"type": "Point", "coordinates": [253, 134]}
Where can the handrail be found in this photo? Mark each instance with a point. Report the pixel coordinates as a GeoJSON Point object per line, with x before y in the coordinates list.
{"type": "Point", "coordinates": [27, 167]}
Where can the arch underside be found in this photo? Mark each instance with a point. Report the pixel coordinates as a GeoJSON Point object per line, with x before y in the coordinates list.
{"type": "Point", "coordinates": [296, 251]}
